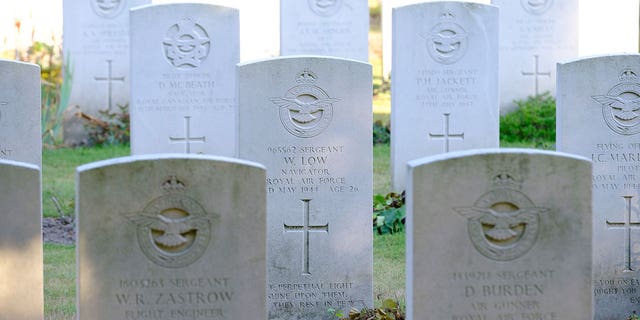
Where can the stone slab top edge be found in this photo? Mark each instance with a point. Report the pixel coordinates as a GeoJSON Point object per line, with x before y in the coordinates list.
{"type": "Point", "coordinates": [298, 57]}
{"type": "Point", "coordinates": [5, 162]}
{"type": "Point", "coordinates": [599, 56]}
{"type": "Point", "coordinates": [165, 156]}
{"type": "Point", "coordinates": [432, 3]}
{"type": "Point", "coordinates": [479, 152]}
{"type": "Point", "coordinates": [26, 64]}
{"type": "Point", "coordinates": [185, 4]}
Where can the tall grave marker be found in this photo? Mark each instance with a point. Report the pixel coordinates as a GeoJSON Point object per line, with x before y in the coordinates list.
{"type": "Point", "coordinates": [445, 90]}
{"type": "Point", "coordinates": [308, 120]}
{"type": "Point", "coordinates": [337, 28]}
{"type": "Point", "coordinates": [183, 93]}
{"type": "Point", "coordinates": [183, 79]}
{"type": "Point", "coordinates": [534, 36]}
{"type": "Point", "coordinates": [20, 135]}
{"type": "Point", "coordinates": [171, 237]}
{"type": "Point", "coordinates": [499, 235]}
{"type": "Point", "coordinates": [96, 46]}
{"type": "Point", "coordinates": [597, 117]}
{"type": "Point", "coordinates": [21, 277]}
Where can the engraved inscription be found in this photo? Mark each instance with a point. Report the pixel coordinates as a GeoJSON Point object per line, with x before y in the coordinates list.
{"type": "Point", "coordinates": [625, 225]}
{"type": "Point", "coordinates": [306, 110]}
{"type": "Point", "coordinates": [174, 298]}
{"type": "Point", "coordinates": [305, 228]}
{"type": "Point", "coordinates": [536, 7]}
{"type": "Point", "coordinates": [621, 105]}
{"type": "Point", "coordinates": [447, 88]}
{"type": "Point", "coordinates": [325, 8]}
{"type": "Point", "coordinates": [186, 45]}
{"type": "Point", "coordinates": [173, 230]}
{"type": "Point", "coordinates": [312, 296]}
{"type": "Point", "coordinates": [446, 135]}
{"type": "Point", "coordinates": [109, 79]}
{"type": "Point", "coordinates": [503, 224]}
{"type": "Point", "coordinates": [187, 139]}
{"type": "Point", "coordinates": [517, 294]}
{"type": "Point", "coordinates": [447, 41]}
{"type": "Point", "coordinates": [108, 8]}
{"type": "Point", "coordinates": [537, 74]}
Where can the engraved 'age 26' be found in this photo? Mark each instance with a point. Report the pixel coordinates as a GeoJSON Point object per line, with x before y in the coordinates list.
{"type": "Point", "coordinates": [503, 224]}
{"type": "Point", "coordinates": [447, 41]}
{"type": "Point", "coordinates": [305, 110]}
{"type": "Point", "coordinates": [186, 45]}
{"type": "Point", "coordinates": [621, 105]}
{"type": "Point", "coordinates": [173, 230]}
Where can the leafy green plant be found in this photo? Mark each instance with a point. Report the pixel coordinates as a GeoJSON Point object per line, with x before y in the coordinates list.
{"type": "Point", "coordinates": [533, 121]}
{"type": "Point", "coordinates": [389, 212]}
{"type": "Point", "coordinates": [390, 310]}
{"type": "Point", "coordinates": [109, 128]}
{"type": "Point", "coordinates": [633, 316]}
{"type": "Point", "coordinates": [55, 99]}
{"type": "Point", "coordinates": [381, 133]}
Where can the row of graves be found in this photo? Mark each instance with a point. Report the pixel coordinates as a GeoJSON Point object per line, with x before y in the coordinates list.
{"type": "Point", "coordinates": [248, 194]}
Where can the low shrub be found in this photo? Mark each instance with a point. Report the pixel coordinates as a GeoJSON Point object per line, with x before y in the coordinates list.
{"type": "Point", "coordinates": [534, 121]}
{"type": "Point", "coordinates": [389, 212]}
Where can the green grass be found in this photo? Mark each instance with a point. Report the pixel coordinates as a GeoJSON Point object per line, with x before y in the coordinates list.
{"type": "Point", "coordinates": [58, 174]}
{"type": "Point", "coordinates": [59, 282]}
{"type": "Point", "coordinates": [388, 267]}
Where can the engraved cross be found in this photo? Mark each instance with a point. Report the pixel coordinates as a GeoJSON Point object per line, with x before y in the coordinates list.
{"type": "Point", "coordinates": [305, 228]}
{"type": "Point", "coordinates": [446, 135]}
{"type": "Point", "coordinates": [537, 73]}
{"type": "Point", "coordinates": [187, 139]}
{"type": "Point", "coordinates": [626, 225]}
{"type": "Point", "coordinates": [110, 79]}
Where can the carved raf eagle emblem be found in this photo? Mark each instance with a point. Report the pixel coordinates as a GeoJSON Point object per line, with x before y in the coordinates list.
{"type": "Point", "coordinates": [303, 112]}
{"type": "Point", "coordinates": [500, 225]}
{"type": "Point", "coordinates": [172, 229]}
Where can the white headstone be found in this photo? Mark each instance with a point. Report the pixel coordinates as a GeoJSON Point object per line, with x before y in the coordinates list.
{"type": "Point", "coordinates": [444, 92]}
{"type": "Point", "coordinates": [534, 36]}
{"type": "Point", "coordinates": [338, 28]}
{"type": "Point", "coordinates": [386, 25]}
{"type": "Point", "coordinates": [96, 46]}
{"type": "Point", "coordinates": [171, 237]}
{"type": "Point", "coordinates": [499, 235]}
{"type": "Point", "coordinates": [597, 117]}
{"type": "Point", "coordinates": [308, 120]}
{"type": "Point", "coordinates": [183, 83]}
{"type": "Point", "coordinates": [21, 277]}
{"type": "Point", "coordinates": [20, 135]}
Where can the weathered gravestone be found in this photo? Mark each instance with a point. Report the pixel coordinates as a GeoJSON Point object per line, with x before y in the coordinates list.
{"type": "Point", "coordinates": [308, 120]}
{"type": "Point", "coordinates": [597, 117]}
{"type": "Point", "coordinates": [499, 235]}
{"type": "Point", "coordinates": [337, 28]}
{"type": "Point", "coordinates": [444, 92]}
{"type": "Point", "coordinates": [20, 135]}
{"type": "Point", "coordinates": [534, 36]}
{"type": "Point", "coordinates": [171, 237]}
{"type": "Point", "coordinates": [183, 83]}
{"type": "Point", "coordinates": [21, 281]}
{"type": "Point", "coordinates": [96, 46]}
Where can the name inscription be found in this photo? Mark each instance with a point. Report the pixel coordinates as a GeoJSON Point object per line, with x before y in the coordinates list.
{"type": "Point", "coordinates": [192, 298]}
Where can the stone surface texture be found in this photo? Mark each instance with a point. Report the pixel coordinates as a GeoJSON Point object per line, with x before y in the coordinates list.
{"type": "Point", "coordinates": [183, 83]}
{"type": "Point", "coordinates": [171, 237]}
{"type": "Point", "coordinates": [308, 120]}
{"type": "Point", "coordinates": [21, 271]}
{"type": "Point", "coordinates": [495, 234]}
{"type": "Point", "coordinates": [444, 91]}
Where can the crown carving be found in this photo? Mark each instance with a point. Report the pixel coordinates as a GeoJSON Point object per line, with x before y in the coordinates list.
{"type": "Point", "coordinates": [172, 184]}
{"type": "Point", "coordinates": [306, 76]}
{"type": "Point", "coordinates": [628, 76]}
